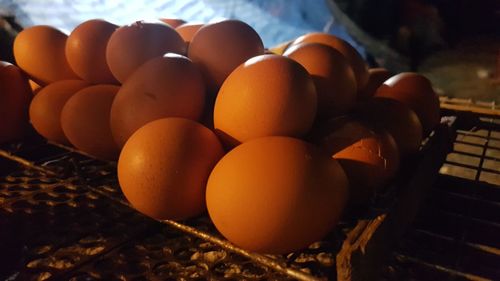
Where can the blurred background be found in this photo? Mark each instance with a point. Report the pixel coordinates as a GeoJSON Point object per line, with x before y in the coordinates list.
{"type": "Point", "coordinates": [455, 43]}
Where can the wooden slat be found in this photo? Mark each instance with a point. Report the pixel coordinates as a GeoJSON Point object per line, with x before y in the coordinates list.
{"type": "Point", "coordinates": [472, 108]}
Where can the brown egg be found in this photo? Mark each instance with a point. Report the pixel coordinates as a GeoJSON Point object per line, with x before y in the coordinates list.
{"type": "Point", "coordinates": [343, 131]}
{"type": "Point", "coordinates": [377, 77]}
{"type": "Point", "coordinates": [369, 159]}
{"type": "Point", "coordinates": [86, 51]}
{"type": "Point", "coordinates": [174, 23]}
{"type": "Point", "coordinates": [85, 121]}
{"type": "Point", "coordinates": [218, 48]}
{"type": "Point", "coordinates": [416, 92]}
{"type": "Point", "coordinates": [353, 57]}
{"type": "Point", "coordinates": [397, 119]}
{"type": "Point", "coordinates": [34, 87]}
{"type": "Point", "coordinates": [187, 31]}
{"type": "Point", "coordinates": [332, 75]}
{"type": "Point", "coordinates": [39, 51]}
{"type": "Point", "coordinates": [45, 109]}
{"type": "Point", "coordinates": [268, 95]}
{"type": "Point", "coordinates": [132, 45]}
{"type": "Point", "coordinates": [168, 86]}
{"type": "Point", "coordinates": [164, 167]}
{"type": "Point", "coordinates": [276, 195]}
{"type": "Point", "coordinates": [15, 97]}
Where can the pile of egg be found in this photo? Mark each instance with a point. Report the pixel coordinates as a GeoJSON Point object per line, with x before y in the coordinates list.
{"type": "Point", "coordinates": [201, 117]}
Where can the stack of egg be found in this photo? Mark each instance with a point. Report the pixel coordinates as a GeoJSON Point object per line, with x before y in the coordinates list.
{"type": "Point", "coordinates": [200, 118]}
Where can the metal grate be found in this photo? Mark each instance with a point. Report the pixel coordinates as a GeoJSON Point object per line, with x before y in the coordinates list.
{"type": "Point", "coordinates": [64, 217]}
{"type": "Point", "coordinates": [456, 234]}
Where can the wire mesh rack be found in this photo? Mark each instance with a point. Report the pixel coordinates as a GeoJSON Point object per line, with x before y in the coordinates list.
{"type": "Point", "coordinates": [63, 217]}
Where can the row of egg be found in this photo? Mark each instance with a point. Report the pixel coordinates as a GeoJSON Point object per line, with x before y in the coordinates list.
{"type": "Point", "coordinates": [264, 167]}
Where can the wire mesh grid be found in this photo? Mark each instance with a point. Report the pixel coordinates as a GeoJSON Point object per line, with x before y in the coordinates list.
{"type": "Point", "coordinates": [64, 217]}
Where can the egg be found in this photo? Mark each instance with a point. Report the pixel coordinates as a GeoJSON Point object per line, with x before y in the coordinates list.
{"type": "Point", "coordinates": [45, 108]}
{"type": "Point", "coordinates": [376, 77]}
{"type": "Point", "coordinates": [369, 159]}
{"type": "Point", "coordinates": [85, 121]}
{"type": "Point", "coordinates": [86, 51]}
{"type": "Point", "coordinates": [187, 31]}
{"type": "Point", "coordinates": [168, 86]}
{"type": "Point", "coordinates": [164, 166]}
{"type": "Point", "coordinates": [353, 57]}
{"type": "Point", "coordinates": [39, 51]}
{"type": "Point", "coordinates": [35, 88]}
{"type": "Point", "coordinates": [397, 119]}
{"type": "Point", "coordinates": [15, 97]}
{"type": "Point", "coordinates": [132, 45]}
{"type": "Point", "coordinates": [344, 130]}
{"type": "Point", "coordinates": [218, 48]}
{"type": "Point", "coordinates": [268, 95]}
{"type": "Point", "coordinates": [275, 195]}
{"type": "Point", "coordinates": [416, 92]}
{"type": "Point", "coordinates": [332, 75]}
{"type": "Point", "coordinates": [174, 23]}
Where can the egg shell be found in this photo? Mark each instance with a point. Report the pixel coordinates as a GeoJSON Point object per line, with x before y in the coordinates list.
{"type": "Point", "coordinates": [416, 92]}
{"type": "Point", "coordinates": [86, 51]}
{"type": "Point", "coordinates": [174, 23]}
{"type": "Point", "coordinates": [332, 75]}
{"type": "Point", "coordinates": [376, 77]}
{"type": "Point", "coordinates": [164, 167]}
{"type": "Point", "coordinates": [35, 88]}
{"type": "Point", "coordinates": [369, 159]}
{"type": "Point", "coordinates": [85, 121]}
{"type": "Point", "coordinates": [46, 107]}
{"type": "Point", "coordinates": [276, 195]}
{"type": "Point", "coordinates": [320, 129]}
{"type": "Point", "coordinates": [218, 48]}
{"type": "Point", "coordinates": [268, 95]}
{"type": "Point", "coordinates": [337, 133]}
{"type": "Point", "coordinates": [15, 97]}
{"type": "Point", "coordinates": [132, 45]}
{"type": "Point", "coordinates": [187, 31]}
{"type": "Point", "coordinates": [353, 57]}
{"type": "Point", "coordinates": [39, 51]}
{"type": "Point", "coordinates": [168, 86]}
{"type": "Point", "coordinates": [397, 119]}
